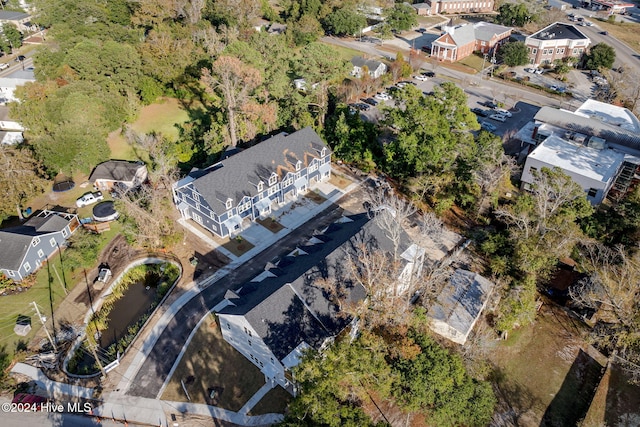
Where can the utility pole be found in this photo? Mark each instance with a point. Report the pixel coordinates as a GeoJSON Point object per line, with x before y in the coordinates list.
{"type": "Point", "coordinates": [43, 320]}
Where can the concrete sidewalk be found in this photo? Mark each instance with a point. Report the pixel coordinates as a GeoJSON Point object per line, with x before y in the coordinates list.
{"type": "Point", "coordinates": [140, 410]}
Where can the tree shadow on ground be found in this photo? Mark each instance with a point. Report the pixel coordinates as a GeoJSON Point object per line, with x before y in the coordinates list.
{"type": "Point", "coordinates": [573, 400]}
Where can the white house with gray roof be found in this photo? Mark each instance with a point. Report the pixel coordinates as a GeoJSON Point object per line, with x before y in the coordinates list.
{"type": "Point", "coordinates": [376, 68]}
{"type": "Point", "coordinates": [283, 311]}
{"type": "Point", "coordinates": [121, 172]}
{"type": "Point", "coordinates": [459, 305]}
{"type": "Point", "coordinates": [248, 185]}
{"type": "Point", "coordinates": [556, 41]}
{"type": "Point", "coordinates": [24, 248]}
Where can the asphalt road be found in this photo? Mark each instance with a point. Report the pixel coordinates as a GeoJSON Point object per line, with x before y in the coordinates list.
{"type": "Point", "coordinates": [154, 370]}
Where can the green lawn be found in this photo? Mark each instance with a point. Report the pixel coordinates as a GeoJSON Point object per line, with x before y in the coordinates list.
{"type": "Point", "coordinates": [344, 53]}
{"type": "Point", "coordinates": [474, 61]}
{"type": "Point", "coordinates": [11, 306]}
{"type": "Point", "coordinates": [161, 117]}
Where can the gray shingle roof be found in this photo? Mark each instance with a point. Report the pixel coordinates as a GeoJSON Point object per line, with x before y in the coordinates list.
{"type": "Point", "coordinates": [8, 15]}
{"type": "Point", "coordinates": [15, 241]}
{"type": "Point", "coordinates": [559, 31]}
{"type": "Point", "coordinates": [359, 61]}
{"type": "Point", "coordinates": [461, 301]}
{"type": "Point", "coordinates": [291, 308]}
{"type": "Point", "coordinates": [589, 126]}
{"type": "Point", "coordinates": [486, 30]}
{"type": "Point", "coordinates": [116, 170]}
{"type": "Point", "coordinates": [238, 175]}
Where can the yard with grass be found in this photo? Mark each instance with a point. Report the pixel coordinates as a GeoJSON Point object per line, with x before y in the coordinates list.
{"type": "Point", "coordinates": [546, 372]}
{"type": "Point", "coordinates": [616, 401]}
{"type": "Point", "coordinates": [212, 364]}
{"type": "Point", "coordinates": [161, 117]}
{"type": "Point", "coordinates": [475, 62]}
{"type": "Point", "coordinates": [274, 402]}
{"type": "Point", "coordinates": [15, 304]}
{"type": "Point", "coordinates": [344, 53]}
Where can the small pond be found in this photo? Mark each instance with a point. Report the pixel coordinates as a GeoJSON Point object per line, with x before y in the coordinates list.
{"type": "Point", "coordinates": [124, 311]}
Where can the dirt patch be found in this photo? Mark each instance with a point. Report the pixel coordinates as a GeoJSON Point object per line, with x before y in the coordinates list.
{"type": "Point", "coordinates": [270, 224]}
{"type": "Point", "coordinates": [212, 367]}
{"type": "Point", "coordinates": [340, 181]}
{"type": "Point", "coordinates": [315, 197]}
{"type": "Point", "coordinates": [274, 402]}
{"type": "Point", "coordinates": [238, 246]}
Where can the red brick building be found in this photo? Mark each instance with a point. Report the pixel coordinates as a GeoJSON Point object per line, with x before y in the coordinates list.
{"type": "Point", "coordinates": [556, 41]}
{"type": "Point", "coordinates": [461, 41]}
{"type": "Point", "coordinates": [434, 7]}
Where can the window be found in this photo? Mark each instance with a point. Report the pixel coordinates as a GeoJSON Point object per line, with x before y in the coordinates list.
{"type": "Point", "coordinates": [298, 165]}
{"type": "Point", "coordinates": [534, 50]}
{"type": "Point", "coordinates": [35, 242]}
{"type": "Point", "coordinates": [592, 192]}
{"type": "Point", "coordinates": [260, 186]}
{"type": "Point", "coordinates": [313, 167]}
{"type": "Point", "coordinates": [196, 196]}
{"type": "Point", "coordinates": [272, 361]}
{"type": "Point", "coordinates": [64, 232]}
{"type": "Point", "coordinates": [40, 253]}
{"type": "Point", "coordinates": [243, 207]}
{"type": "Point", "coordinates": [273, 179]}
{"type": "Point", "coordinates": [249, 341]}
{"type": "Point", "coordinates": [575, 51]}
{"type": "Point", "coordinates": [323, 152]}
{"type": "Point", "coordinates": [544, 52]}
{"type": "Point", "coordinates": [272, 190]}
{"type": "Point", "coordinates": [38, 263]}
{"type": "Point", "coordinates": [228, 204]}
{"type": "Point", "coordinates": [532, 169]}
{"type": "Point", "coordinates": [197, 218]}
{"type": "Point", "coordinates": [228, 325]}
{"type": "Point", "coordinates": [247, 331]}
{"type": "Point", "coordinates": [27, 267]}
{"type": "Point", "coordinates": [10, 273]}
{"type": "Point", "coordinates": [52, 242]}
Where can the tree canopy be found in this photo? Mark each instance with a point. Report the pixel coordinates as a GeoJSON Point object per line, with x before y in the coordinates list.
{"type": "Point", "coordinates": [514, 14]}
{"type": "Point", "coordinates": [600, 56]}
{"type": "Point", "coordinates": [514, 54]}
{"type": "Point", "coordinates": [401, 17]}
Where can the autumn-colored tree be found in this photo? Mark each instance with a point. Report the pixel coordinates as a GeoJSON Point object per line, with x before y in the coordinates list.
{"type": "Point", "coordinates": [21, 177]}
{"type": "Point", "coordinates": [234, 82]}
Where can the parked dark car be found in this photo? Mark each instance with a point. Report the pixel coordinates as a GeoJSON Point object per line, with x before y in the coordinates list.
{"type": "Point", "coordinates": [20, 58]}
{"type": "Point", "coordinates": [370, 101]}
{"type": "Point", "coordinates": [480, 112]}
{"type": "Point", "coordinates": [489, 104]}
{"type": "Point", "coordinates": [428, 73]}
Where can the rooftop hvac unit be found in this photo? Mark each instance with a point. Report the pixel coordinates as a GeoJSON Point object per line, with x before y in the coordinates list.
{"type": "Point", "coordinates": [597, 143]}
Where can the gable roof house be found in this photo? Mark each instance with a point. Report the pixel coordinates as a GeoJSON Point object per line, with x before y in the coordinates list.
{"type": "Point", "coordinates": [25, 247]}
{"type": "Point", "coordinates": [376, 68]}
{"type": "Point", "coordinates": [556, 41]}
{"type": "Point", "coordinates": [20, 19]}
{"type": "Point", "coordinates": [283, 311]}
{"type": "Point", "coordinates": [460, 41]}
{"type": "Point", "coordinates": [9, 84]}
{"type": "Point", "coordinates": [123, 172]}
{"type": "Point", "coordinates": [245, 185]}
{"type": "Point", "coordinates": [459, 305]}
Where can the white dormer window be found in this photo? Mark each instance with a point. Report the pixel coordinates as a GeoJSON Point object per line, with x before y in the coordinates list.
{"type": "Point", "coordinates": [260, 186]}
{"type": "Point", "coordinates": [229, 204]}
{"type": "Point", "coordinates": [323, 152]}
{"type": "Point", "coordinates": [273, 179]}
{"type": "Point", "coordinates": [298, 165]}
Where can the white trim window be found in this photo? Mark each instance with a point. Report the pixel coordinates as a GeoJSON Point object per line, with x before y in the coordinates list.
{"type": "Point", "coordinates": [244, 207]}
{"type": "Point", "coordinates": [272, 190]}
{"type": "Point", "coordinates": [196, 196]}
{"type": "Point", "coordinates": [260, 186]}
{"type": "Point", "coordinates": [40, 253]}
{"type": "Point", "coordinates": [10, 273]}
{"type": "Point", "coordinates": [273, 179]}
{"type": "Point", "coordinates": [27, 267]}
{"type": "Point", "coordinates": [197, 218]}
{"type": "Point", "coordinates": [52, 242]}
{"type": "Point", "coordinates": [298, 165]}
{"type": "Point", "coordinates": [35, 242]}
{"type": "Point", "coordinates": [64, 233]}
{"type": "Point", "coordinates": [313, 167]}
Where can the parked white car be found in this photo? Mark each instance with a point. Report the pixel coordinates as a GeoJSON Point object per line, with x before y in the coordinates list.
{"type": "Point", "coordinates": [421, 77]}
{"type": "Point", "coordinates": [382, 96]}
{"type": "Point", "coordinates": [4, 66]}
{"type": "Point", "coordinates": [498, 117]}
{"type": "Point", "coordinates": [89, 199]}
{"type": "Point", "coordinates": [503, 112]}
